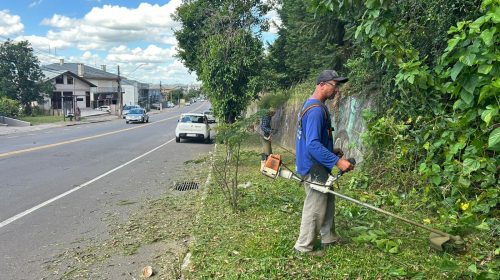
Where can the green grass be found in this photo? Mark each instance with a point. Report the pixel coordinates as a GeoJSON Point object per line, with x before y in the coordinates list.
{"type": "Point", "coordinates": [257, 241]}
{"type": "Point", "coordinates": [42, 119]}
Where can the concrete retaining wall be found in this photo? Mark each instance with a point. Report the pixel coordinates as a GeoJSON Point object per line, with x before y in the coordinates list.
{"type": "Point", "coordinates": [346, 117]}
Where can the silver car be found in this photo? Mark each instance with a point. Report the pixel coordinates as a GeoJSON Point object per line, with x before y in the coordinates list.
{"type": "Point", "coordinates": [127, 108]}
{"type": "Point", "coordinates": [137, 115]}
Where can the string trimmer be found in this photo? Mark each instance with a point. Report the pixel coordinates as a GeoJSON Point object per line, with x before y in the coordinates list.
{"type": "Point", "coordinates": [273, 169]}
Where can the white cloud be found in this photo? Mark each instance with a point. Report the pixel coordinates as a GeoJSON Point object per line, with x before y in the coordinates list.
{"type": "Point", "coordinates": [43, 43]}
{"type": "Point", "coordinates": [108, 35]}
{"type": "Point", "coordinates": [108, 26]}
{"type": "Point", "coordinates": [35, 3]}
{"type": "Point", "coordinates": [10, 24]}
{"type": "Point", "coordinates": [59, 21]}
{"type": "Point", "coordinates": [152, 53]}
{"type": "Point", "coordinates": [143, 17]}
{"type": "Point", "coordinates": [274, 20]}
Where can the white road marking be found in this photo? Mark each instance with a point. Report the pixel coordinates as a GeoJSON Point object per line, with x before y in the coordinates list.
{"type": "Point", "coordinates": [33, 209]}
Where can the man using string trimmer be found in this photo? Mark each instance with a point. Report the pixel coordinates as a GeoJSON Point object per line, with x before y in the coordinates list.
{"type": "Point", "coordinates": [315, 159]}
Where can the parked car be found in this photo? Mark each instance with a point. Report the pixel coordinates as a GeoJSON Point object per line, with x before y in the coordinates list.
{"type": "Point", "coordinates": [137, 115]}
{"type": "Point", "coordinates": [188, 103]}
{"type": "Point", "coordinates": [127, 109]}
{"type": "Point", "coordinates": [170, 104]}
{"type": "Point", "coordinates": [193, 126]}
{"type": "Point", "coordinates": [104, 108]}
{"type": "Point", "coordinates": [210, 116]}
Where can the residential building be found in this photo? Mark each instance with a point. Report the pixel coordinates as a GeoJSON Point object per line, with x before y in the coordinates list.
{"type": "Point", "coordinates": [70, 91]}
{"type": "Point", "coordinates": [105, 91]}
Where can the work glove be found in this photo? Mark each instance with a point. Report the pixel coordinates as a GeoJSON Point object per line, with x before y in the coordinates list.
{"type": "Point", "coordinates": [338, 152]}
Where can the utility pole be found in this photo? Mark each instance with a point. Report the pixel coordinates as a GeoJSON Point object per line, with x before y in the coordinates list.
{"type": "Point", "coordinates": [120, 95]}
{"type": "Point", "coordinates": [161, 99]}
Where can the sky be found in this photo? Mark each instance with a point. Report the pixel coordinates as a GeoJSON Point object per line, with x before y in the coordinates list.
{"type": "Point", "coordinates": [135, 35]}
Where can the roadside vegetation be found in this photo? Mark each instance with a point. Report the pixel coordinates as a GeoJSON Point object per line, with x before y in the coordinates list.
{"type": "Point", "coordinates": [256, 241]}
{"type": "Point", "coordinates": [21, 79]}
{"type": "Point", "coordinates": [431, 146]}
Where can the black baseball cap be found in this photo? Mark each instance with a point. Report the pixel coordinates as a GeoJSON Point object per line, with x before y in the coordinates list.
{"type": "Point", "coordinates": [330, 75]}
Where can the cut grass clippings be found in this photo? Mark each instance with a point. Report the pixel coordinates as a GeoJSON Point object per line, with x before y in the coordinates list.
{"type": "Point", "coordinates": [257, 241]}
{"type": "Point", "coordinates": [156, 233]}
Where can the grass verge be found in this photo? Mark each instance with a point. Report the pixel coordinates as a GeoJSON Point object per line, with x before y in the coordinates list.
{"type": "Point", "coordinates": [41, 119]}
{"type": "Point", "coordinates": [257, 242]}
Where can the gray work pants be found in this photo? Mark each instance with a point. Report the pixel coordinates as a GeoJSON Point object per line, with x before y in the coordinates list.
{"type": "Point", "coordinates": [266, 146]}
{"type": "Point", "coordinates": [318, 214]}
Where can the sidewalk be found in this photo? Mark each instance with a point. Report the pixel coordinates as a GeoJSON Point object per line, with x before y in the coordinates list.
{"type": "Point", "coordinates": [88, 116]}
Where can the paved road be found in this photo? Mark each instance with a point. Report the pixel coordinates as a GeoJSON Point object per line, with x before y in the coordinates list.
{"type": "Point", "coordinates": [58, 185]}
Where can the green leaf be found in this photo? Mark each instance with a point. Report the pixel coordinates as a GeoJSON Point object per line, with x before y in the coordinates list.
{"type": "Point", "coordinates": [489, 114]}
{"type": "Point", "coordinates": [487, 36]}
{"type": "Point", "coordinates": [470, 84]}
{"type": "Point", "coordinates": [496, 83]}
{"type": "Point", "coordinates": [448, 266]}
{"type": "Point", "coordinates": [472, 268]}
{"type": "Point", "coordinates": [471, 165]}
{"type": "Point", "coordinates": [397, 272]}
{"type": "Point", "coordinates": [483, 226]}
{"type": "Point", "coordinates": [484, 69]}
{"type": "Point", "coordinates": [436, 180]}
{"type": "Point", "coordinates": [452, 43]}
{"type": "Point", "coordinates": [485, 92]}
{"type": "Point", "coordinates": [468, 59]}
{"type": "Point", "coordinates": [495, 16]}
{"type": "Point", "coordinates": [427, 145]}
{"type": "Point", "coordinates": [494, 140]}
{"type": "Point", "coordinates": [456, 70]}
{"type": "Point", "coordinates": [466, 96]}
{"type": "Point", "coordinates": [476, 25]}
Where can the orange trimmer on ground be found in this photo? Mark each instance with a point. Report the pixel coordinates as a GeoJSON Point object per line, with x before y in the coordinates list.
{"type": "Point", "coordinates": [274, 168]}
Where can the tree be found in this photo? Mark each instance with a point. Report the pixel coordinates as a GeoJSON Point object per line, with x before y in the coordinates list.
{"type": "Point", "coordinates": [21, 78]}
{"type": "Point", "coordinates": [227, 72]}
{"type": "Point", "coordinates": [220, 41]}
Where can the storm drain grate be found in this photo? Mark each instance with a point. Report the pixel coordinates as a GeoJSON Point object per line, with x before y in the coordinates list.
{"type": "Point", "coordinates": [186, 186]}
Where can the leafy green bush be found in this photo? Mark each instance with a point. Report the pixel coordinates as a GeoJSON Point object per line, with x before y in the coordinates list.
{"type": "Point", "coordinates": [444, 123]}
{"type": "Point", "coordinates": [272, 100]}
{"type": "Point", "coordinates": [9, 107]}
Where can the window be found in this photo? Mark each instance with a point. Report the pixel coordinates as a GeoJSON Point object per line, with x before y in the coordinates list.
{"type": "Point", "coordinates": [59, 80]}
{"type": "Point", "coordinates": [69, 79]}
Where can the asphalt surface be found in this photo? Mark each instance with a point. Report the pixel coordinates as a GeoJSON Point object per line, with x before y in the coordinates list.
{"type": "Point", "coordinates": [59, 185]}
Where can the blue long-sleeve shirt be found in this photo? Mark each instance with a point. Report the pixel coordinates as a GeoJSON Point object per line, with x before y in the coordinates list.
{"type": "Point", "coordinates": [313, 143]}
{"type": "Point", "coordinates": [265, 125]}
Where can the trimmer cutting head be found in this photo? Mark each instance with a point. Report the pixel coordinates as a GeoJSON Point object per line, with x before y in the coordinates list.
{"type": "Point", "coordinates": [437, 241]}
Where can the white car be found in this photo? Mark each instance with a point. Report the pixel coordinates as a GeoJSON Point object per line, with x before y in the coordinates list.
{"type": "Point", "coordinates": [105, 108]}
{"type": "Point", "coordinates": [210, 116]}
{"type": "Point", "coordinates": [192, 126]}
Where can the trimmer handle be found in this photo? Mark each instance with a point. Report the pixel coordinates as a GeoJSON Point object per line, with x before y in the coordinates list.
{"type": "Point", "coordinates": [352, 161]}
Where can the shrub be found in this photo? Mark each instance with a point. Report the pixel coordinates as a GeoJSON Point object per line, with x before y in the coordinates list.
{"type": "Point", "coordinates": [9, 107]}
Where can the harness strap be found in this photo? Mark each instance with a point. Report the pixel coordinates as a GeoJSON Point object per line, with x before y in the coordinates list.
{"type": "Point", "coordinates": [304, 111]}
